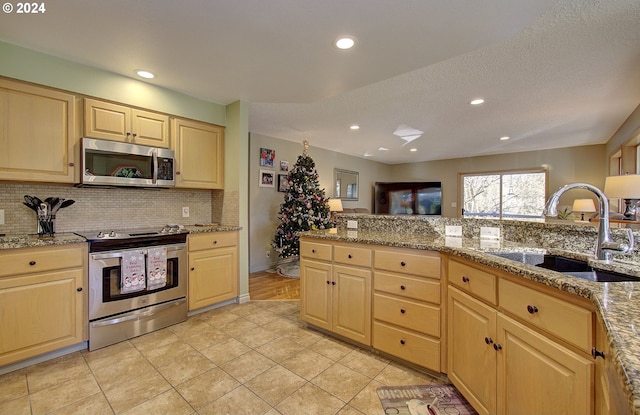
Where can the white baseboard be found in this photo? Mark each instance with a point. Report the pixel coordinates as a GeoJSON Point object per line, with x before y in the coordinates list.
{"type": "Point", "coordinates": [244, 298]}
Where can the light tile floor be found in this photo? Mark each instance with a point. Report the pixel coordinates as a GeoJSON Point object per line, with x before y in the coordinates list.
{"type": "Point", "coordinates": [253, 358]}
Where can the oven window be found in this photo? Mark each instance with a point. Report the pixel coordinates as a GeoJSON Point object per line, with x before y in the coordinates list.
{"type": "Point", "coordinates": [112, 281]}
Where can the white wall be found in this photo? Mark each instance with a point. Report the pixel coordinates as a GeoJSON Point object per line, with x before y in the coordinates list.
{"type": "Point", "coordinates": [264, 203]}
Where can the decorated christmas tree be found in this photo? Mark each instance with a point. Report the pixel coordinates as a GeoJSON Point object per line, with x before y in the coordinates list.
{"type": "Point", "coordinates": [305, 206]}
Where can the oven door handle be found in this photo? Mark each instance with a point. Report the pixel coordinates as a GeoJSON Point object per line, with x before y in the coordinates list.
{"type": "Point", "coordinates": [134, 315]}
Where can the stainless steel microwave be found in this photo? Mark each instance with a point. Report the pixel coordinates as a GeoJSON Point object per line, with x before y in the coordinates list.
{"type": "Point", "coordinates": [112, 163]}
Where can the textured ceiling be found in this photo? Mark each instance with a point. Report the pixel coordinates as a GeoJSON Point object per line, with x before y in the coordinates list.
{"type": "Point", "coordinates": [553, 73]}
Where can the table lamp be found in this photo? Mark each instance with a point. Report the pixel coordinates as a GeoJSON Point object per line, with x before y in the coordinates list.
{"type": "Point", "coordinates": [626, 187]}
{"type": "Point", "coordinates": [335, 205]}
{"type": "Point", "coordinates": [582, 206]}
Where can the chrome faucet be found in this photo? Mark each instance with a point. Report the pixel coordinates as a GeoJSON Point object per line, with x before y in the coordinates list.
{"type": "Point", "coordinates": [604, 246]}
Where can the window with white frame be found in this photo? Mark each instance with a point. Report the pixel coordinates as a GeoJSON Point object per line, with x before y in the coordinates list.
{"type": "Point", "coordinates": [504, 195]}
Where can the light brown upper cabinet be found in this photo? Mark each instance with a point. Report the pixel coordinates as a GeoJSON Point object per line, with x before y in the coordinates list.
{"type": "Point", "coordinates": [38, 133]}
{"type": "Point", "coordinates": [199, 151]}
{"type": "Point", "coordinates": [117, 122]}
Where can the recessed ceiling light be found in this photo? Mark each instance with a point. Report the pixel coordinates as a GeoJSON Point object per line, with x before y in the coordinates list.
{"type": "Point", "coordinates": [414, 149]}
{"type": "Point", "coordinates": [477, 101]}
{"type": "Point", "coordinates": [355, 127]}
{"type": "Point", "coordinates": [145, 74]}
{"type": "Point", "coordinates": [345, 42]}
{"type": "Point", "coordinates": [505, 138]}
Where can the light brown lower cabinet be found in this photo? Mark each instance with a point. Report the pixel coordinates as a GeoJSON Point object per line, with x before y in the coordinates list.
{"type": "Point", "coordinates": [506, 364]}
{"type": "Point", "coordinates": [407, 296]}
{"type": "Point", "coordinates": [610, 398]}
{"type": "Point", "coordinates": [43, 300]}
{"type": "Point", "coordinates": [336, 296]}
{"type": "Point", "coordinates": [213, 268]}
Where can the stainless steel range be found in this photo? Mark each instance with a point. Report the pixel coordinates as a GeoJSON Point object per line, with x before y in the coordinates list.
{"type": "Point", "coordinates": [137, 282]}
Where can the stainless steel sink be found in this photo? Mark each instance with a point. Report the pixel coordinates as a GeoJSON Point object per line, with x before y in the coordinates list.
{"type": "Point", "coordinates": [569, 266]}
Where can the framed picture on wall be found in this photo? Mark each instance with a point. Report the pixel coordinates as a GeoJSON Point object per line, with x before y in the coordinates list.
{"type": "Point", "coordinates": [267, 178]}
{"type": "Point", "coordinates": [284, 165]}
{"type": "Point", "coordinates": [283, 183]}
{"type": "Point", "coordinates": [267, 157]}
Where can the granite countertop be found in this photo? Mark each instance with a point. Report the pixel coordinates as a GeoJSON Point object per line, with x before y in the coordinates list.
{"type": "Point", "coordinates": [614, 301]}
{"type": "Point", "coordinates": [213, 227]}
{"type": "Point", "coordinates": [34, 240]}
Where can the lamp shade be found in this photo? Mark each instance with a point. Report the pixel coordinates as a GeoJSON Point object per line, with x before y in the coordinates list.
{"type": "Point", "coordinates": [335, 205]}
{"type": "Point", "coordinates": [623, 187]}
{"type": "Point", "coordinates": [584, 205]}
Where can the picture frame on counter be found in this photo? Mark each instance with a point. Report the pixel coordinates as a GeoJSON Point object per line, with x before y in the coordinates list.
{"type": "Point", "coordinates": [267, 178]}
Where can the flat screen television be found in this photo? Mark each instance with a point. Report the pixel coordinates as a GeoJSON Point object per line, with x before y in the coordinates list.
{"type": "Point", "coordinates": [408, 198]}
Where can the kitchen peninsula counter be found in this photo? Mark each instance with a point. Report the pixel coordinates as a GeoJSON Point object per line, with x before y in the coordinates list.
{"type": "Point", "coordinates": [614, 301]}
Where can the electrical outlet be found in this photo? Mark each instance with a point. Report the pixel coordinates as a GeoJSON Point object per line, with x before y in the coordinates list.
{"type": "Point", "coordinates": [453, 230]}
{"type": "Point", "coordinates": [185, 211]}
{"type": "Point", "coordinates": [489, 232]}
{"type": "Point", "coordinates": [1, 216]}
{"type": "Point", "coordinates": [268, 254]}
{"type": "Point", "coordinates": [352, 224]}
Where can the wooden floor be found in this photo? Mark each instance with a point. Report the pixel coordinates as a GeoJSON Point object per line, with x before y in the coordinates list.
{"type": "Point", "coordinates": [268, 285]}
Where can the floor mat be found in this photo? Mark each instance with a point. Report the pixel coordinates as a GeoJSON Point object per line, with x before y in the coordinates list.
{"type": "Point", "coordinates": [423, 400]}
{"type": "Point", "coordinates": [289, 270]}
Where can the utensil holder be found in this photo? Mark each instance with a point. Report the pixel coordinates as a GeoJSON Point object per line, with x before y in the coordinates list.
{"type": "Point", "coordinates": [46, 225]}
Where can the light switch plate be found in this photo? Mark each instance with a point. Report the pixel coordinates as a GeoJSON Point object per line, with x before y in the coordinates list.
{"type": "Point", "coordinates": [352, 234]}
{"type": "Point", "coordinates": [452, 230]}
{"type": "Point", "coordinates": [352, 224]}
{"type": "Point", "coordinates": [1, 216]}
{"type": "Point", "coordinates": [487, 232]}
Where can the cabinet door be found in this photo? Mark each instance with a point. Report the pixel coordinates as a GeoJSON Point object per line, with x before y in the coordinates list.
{"type": "Point", "coordinates": [199, 151]}
{"type": "Point", "coordinates": [538, 376]}
{"type": "Point", "coordinates": [471, 356]}
{"type": "Point", "coordinates": [315, 293]}
{"type": "Point", "coordinates": [213, 276]}
{"type": "Point", "coordinates": [352, 303]}
{"type": "Point", "coordinates": [610, 398]}
{"type": "Point", "coordinates": [40, 313]}
{"type": "Point", "coordinates": [107, 120]}
{"type": "Point", "coordinates": [150, 128]}
{"type": "Point", "coordinates": [38, 134]}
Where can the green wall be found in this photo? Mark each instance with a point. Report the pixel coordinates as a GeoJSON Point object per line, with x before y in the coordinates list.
{"type": "Point", "coordinates": [39, 68]}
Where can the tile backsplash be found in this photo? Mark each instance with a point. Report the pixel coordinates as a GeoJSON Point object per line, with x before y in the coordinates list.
{"type": "Point", "coordinates": [102, 208]}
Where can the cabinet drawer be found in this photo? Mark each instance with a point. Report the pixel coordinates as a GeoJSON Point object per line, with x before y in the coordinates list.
{"type": "Point", "coordinates": [408, 314]}
{"type": "Point", "coordinates": [351, 255]}
{"type": "Point", "coordinates": [408, 346]}
{"type": "Point", "coordinates": [208, 240]}
{"type": "Point", "coordinates": [407, 261]}
{"type": "Point", "coordinates": [33, 260]}
{"type": "Point", "coordinates": [473, 280]}
{"type": "Point", "coordinates": [417, 288]}
{"type": "Point", "coordinates": [567, 321]}
{"type": "Point", "coordinates": [315, 250]}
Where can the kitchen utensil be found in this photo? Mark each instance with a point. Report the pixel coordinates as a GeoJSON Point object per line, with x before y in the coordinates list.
{"type": "Point", "coordinates": [66, 203]}
{"type": "Point", "coordinates": [35, 209]}
{"type": "Point", "coordinates": [32, 201]}
{"type": "Point", "coordinates": [53, 202]}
